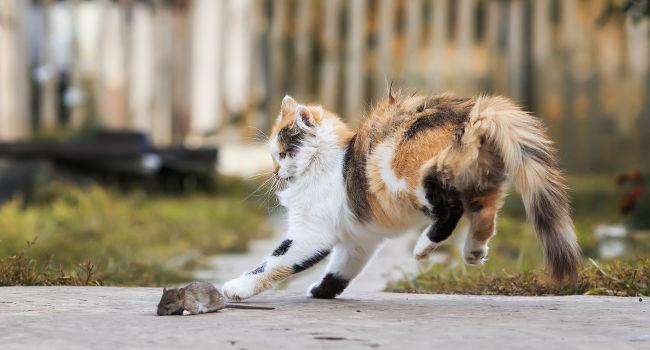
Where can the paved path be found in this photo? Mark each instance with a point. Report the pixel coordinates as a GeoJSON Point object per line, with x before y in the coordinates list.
{"type": "Point", "coordinates": [123, 318]}
{"type": "Point", "coordinates": [390, 263]}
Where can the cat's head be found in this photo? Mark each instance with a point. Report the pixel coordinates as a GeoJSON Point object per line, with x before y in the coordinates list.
{"type": "Point", "coordinates": [297, 135]}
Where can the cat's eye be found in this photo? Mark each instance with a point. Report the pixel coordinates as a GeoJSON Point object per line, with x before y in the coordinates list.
{"type": "Point", "coordinates": [283, 155]}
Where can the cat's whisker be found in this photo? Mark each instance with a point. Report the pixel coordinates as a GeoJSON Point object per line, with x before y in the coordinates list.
{"type": "Point", "coordinates": [266, 173]}
{"type": "Point", "coordinates": [258, 188]}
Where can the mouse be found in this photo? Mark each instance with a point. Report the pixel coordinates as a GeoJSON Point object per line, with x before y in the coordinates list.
{"type": "Point", "coordinates": [196, 298]}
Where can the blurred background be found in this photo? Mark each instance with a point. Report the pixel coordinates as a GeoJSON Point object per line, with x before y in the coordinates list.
{"type": "Point", "coordinates": [115, 106]}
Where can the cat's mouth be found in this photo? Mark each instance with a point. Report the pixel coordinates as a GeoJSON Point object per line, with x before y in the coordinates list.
{"type": "Point", "coordinates": [280, 178]}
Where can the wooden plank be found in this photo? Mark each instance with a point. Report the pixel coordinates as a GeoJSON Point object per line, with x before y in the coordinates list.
{"type": "Point", "coordinates": [331, 46]}
{"type": "Point", "coordinates": [14, 70]}
{"type": "Point", "coordinates": [161, 131]}
{"type": "Point", "coordinates": [438, 45]}
{"type": "Point", "coordinates": [354, 87]}
{"type": "Point", "coordinates": [207, 60]}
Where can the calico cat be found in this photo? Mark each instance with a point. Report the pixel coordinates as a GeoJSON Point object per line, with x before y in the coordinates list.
{"type": "Point", "coordinates": [415, 160]}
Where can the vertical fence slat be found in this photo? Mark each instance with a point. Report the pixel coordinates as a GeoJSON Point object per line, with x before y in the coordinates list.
{"type": "Point", "coordinates": [48, 77]}
{"type": "Point", "coordinates": [516, 50]}
{"type": "Point", "coordinates": [303, 47]}
{"type": "Point", "coordinates": [206, 63]}
{"type": "Point", "coordinates": [142, 74]}
{"type": "Point", "coordinates": [413, 44]}
{"type": "Point", "coordinates": [181, 71]}
{"type": "Point", "coordinates": [161, 133]}
{"type": "Point", "coordinates": [438, 45]}
{"type": "Point", "coordinates": [237, 57]}
{"type": "Point", "coordinates": [331, 45]}
{"type": "Point", "coordinates": [384, 70]}
{"type": "Point", "coordinates": [14, 70]}
{"type": "Point", "coordinates": [276, 51]}
{"type": "Point", "coordinates": [354, 93]}
{"type": "Point", "coordinates": [464, 42]}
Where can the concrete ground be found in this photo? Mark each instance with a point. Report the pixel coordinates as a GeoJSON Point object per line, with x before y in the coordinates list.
{"type": "Point", "coordinates": [124, 318]}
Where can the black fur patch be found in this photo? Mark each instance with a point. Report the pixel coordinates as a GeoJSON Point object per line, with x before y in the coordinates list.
{"type": "Point", "coordinates": [282, 248]}
{"type": "Point", "coordinates": [356, 183]}
{"type": "Point", "coordinates": [549, 207]}
{"type": "Point", "coordinates": [258, 270]}
{"type": "Point", "coordinates": [539, 155]}
{"type": "Point", "coordinates": [438, 112]}
{"type": "Point", "coordinates": [331, 286]}
{"type": "Point", "coordinates": [475, 206]}
{"type": "Point", "coordinates": [311, 261]}
{"type": "Point", "coordinates": [290, 138]}
{"type": "Point", "coordinates": [447, 206]}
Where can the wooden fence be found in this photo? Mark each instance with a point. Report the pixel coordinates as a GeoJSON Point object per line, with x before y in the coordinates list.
{"type": "Point", "coordinates": [207, 72]}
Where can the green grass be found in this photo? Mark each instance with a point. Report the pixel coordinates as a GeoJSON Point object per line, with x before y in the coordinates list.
{"type": "Point", "coordinates": [71, 235]}
{"type": "Point", "coordinates": [617, 278]}
{"type": "Point", "coordinates": [515, 260]}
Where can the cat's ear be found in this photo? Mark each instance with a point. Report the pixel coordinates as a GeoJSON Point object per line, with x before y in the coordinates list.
{"type": "Point", "coordinates": [181, 293]}
{"type": "Point", "coordinates": [306, 117]}
{"type": "Point", "coordinates": [288, 107]}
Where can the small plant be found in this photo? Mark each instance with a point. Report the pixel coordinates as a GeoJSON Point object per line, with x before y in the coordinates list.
{"type": "Point", "coordinates": [21, 270]}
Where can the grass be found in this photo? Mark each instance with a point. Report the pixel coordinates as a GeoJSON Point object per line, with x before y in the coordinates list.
{"type": "Point", "coordinates": [80, 236]}
{"type": "Point", "coordinates": [617, 278]}
{"type": "Point", "coordinates": [515, 261]}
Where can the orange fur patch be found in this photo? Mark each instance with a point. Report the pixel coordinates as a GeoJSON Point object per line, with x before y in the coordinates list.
{"type": "Point", "coordinates": [267, 279]}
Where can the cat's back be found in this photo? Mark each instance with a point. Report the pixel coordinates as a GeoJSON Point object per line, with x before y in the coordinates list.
{"type": "Point", "coordinates": [404, 116]}
{"type": "Point", "coordinates": [398, 137]}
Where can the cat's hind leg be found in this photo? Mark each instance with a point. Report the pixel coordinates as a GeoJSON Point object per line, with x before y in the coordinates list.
{"type": "Point", "coordinates": [483, 210]}
{"type": "Point", "coordinates": [345, 264]}
{"type": "Point", "coordinates": [295, 254]}
{"type": "Point", "coordinates": [444, 206]}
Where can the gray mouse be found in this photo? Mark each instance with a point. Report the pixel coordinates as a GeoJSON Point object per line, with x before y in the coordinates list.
{"type": "Point", "coordinates": [196, 298]}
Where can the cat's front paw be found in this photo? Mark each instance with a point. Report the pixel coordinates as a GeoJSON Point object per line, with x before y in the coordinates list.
{"type": "Point", "coordinates": [239, 288]}
{"type": "Point", "coordinates": [423, 247]}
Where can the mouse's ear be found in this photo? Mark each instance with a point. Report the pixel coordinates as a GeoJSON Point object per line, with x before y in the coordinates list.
{"type": "Point", "coordinates": [181, 292]}
{"type": "Point", "coordinates": [164, 290]}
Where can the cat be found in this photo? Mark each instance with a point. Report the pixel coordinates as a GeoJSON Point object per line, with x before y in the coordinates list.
{"type": "Point", "coordinates": [414, 161]}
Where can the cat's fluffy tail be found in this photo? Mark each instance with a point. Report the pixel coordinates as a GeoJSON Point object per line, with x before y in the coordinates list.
{"type": "Point", "coordinates": [529, 158]}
